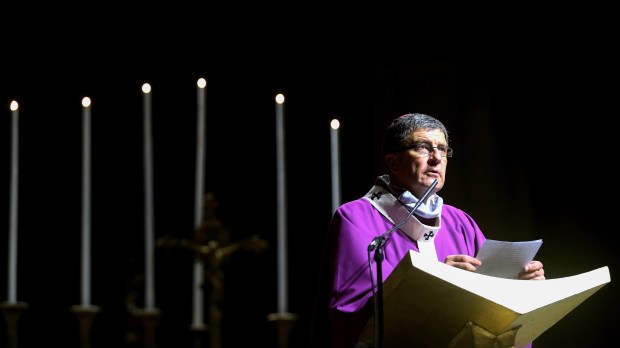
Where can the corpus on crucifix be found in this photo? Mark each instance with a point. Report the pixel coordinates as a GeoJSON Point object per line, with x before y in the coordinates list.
{"type": "Point", "coordinates": [212, 245]}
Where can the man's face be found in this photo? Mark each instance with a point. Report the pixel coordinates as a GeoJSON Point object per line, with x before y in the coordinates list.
{"type": "Point", "coordinates": [418, 166]}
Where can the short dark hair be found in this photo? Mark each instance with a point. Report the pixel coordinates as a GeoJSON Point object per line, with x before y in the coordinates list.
{"type": "Point", "coordinates": [398, 133]}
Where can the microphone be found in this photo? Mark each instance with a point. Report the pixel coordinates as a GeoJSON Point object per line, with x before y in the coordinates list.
{"type": "Point", "coordinates": [380, 240]}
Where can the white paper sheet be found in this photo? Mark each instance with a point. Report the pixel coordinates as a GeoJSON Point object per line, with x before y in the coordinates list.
{"type": "Point", "coordinates": [506, 259]}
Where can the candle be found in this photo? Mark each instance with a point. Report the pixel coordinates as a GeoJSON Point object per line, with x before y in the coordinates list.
{"type": "Point", "coordinates": [85, 201]}
{"type": "Point", "coordinates": [197, 315]}
{"type": "Point", "coordinates": [149, 298]}
{"type": "Point", "coordinates": [282, 284]}
{"type": "Point", "coordinates": [13, 207]}
{"type": "Point", "coordinates": [335, 161]}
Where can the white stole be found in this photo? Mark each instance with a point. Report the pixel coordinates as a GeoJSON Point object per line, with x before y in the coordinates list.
{"type": "Point", "coordinates": [385, 202]}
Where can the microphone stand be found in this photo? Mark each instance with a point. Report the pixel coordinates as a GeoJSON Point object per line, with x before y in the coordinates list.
{"type": "Point", "coordinates": [377, 244]}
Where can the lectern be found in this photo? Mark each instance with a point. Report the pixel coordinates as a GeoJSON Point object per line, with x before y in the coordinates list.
{"type": "Point", "coordinates": [430, 304]}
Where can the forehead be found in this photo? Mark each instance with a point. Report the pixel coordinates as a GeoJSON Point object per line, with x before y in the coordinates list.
{"type": "Point", "coordinates": [434, 135]}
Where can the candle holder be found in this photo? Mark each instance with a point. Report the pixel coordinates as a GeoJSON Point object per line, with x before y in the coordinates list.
{"type": "Point", "coordinates": [284, 322]}
{"type": "Point", "coordinates": [12, 312]}
{"type": "Point", "coordinates": [199, 333]}
{"type": "Point", "coordinates": [149, 317]}
{"type": "Point", "coordinates": [86, 315]}
{"type": "Point", "coordinates": [211, 244]}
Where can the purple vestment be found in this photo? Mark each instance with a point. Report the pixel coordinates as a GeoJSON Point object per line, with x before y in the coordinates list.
{"type": "Point", "coordinates": [344, 303]}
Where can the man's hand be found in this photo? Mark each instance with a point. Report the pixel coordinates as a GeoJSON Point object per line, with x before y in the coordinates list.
{"type": "Point", "coordinates": [532, 271]}
{"type": "Point", "coordinates": [465, 262]}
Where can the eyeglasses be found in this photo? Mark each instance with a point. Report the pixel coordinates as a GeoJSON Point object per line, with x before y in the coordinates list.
{"type": "Point", "coordinates": [425, 149]}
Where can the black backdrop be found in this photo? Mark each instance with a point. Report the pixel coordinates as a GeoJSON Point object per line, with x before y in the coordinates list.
{"type": "Point", "coordinates": [527, 94]}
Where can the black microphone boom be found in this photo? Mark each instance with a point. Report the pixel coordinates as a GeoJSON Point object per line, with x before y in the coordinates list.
{"type": "Point", "coordinates": [378, 241]}
{"type": "Point", "coordinates": [377, 245]}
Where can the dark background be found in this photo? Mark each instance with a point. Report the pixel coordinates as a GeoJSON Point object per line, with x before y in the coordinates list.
{"type": "Point", "coordinates": [528, 94]}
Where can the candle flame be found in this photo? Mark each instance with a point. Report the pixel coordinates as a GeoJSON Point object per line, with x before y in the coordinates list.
{"type": "Point", "coordinates": [14, 106]}
{"type": "Point", "coordinates": [280, 98]}
{"type": "Point", "coordinates": [146, 88]}
{"type": "Point", "coordinates": [202, 83]}
{"type": "Point", "coordinates": [335, 124]}
{"type": "Point", "coordinates": [86, 102]}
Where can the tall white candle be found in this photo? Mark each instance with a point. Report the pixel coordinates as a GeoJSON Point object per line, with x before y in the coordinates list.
{"type": "Point", "coordinates": [197, 315]}
{"type": "Point", "coordinates": [13, 207]}
{"type": "Point", "coordinates": [86, 201]}
{"type": "Point", "coordinates": [335, 162]}
{"type": "Point", "coordinates": [281, 174]}
{"type": "Point", "coordinates": [149, 298]}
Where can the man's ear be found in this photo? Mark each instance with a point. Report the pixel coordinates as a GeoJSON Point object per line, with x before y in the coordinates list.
{"type": "Point", "coordinates": [392, 162]}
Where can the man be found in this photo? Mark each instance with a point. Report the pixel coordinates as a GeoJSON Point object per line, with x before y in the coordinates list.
{"type": "Point", "coordinates": [416, 153]}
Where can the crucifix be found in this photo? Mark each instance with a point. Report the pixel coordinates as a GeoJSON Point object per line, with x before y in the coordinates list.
{"type": "Point", "coordinates": [212, 245]}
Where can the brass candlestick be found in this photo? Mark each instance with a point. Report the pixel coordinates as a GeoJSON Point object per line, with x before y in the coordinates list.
{"type": "Point", "coordinates": [12, 312]}
{"type": "Point", "coordinates": [86, 315]}
{"type": "Point", "coordinates": [199, 332]}
{"type": "Point", "coordinates": [212, 245]}
{"type": "Point", "coordinates": [284, 323]}
{"type": "Point", "coordinates": [149, 317]}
